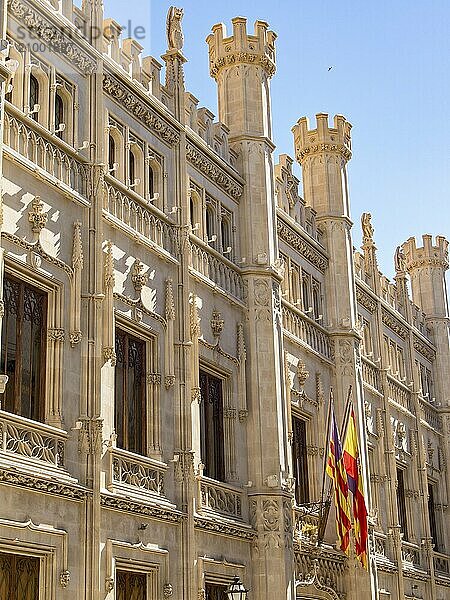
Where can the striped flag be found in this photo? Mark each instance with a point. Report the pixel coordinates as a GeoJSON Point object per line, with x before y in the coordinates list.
{"type": "Point", "coordinates": [336, 470]}
{"type": "Point", "coordinates": [356, 486]}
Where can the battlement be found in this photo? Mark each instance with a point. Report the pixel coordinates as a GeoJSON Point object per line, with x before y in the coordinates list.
{"type": "Point", "coordinates": [428, 255]}
{"type": "Point", "coordinates": [323, 138]}
{"type": "Point", "coordinates": [241, 47]}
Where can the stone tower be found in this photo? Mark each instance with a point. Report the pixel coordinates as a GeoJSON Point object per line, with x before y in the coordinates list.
{"type": "Point", "coordinates": [426, 267]}
{"type": "Point", "coordinates": [323, 153]}
{"type": "Point", "coordinates": [242, 65]}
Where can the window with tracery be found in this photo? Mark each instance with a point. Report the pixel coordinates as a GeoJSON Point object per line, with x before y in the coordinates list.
{"type": "Point", "coordinates": [132, 167]}
{"type": "Point", "coordinates": [23, 349]}
{"type": "Point", "coordinates": [401, 504]}
{"type": "Point", "coordinates": [131, 585]}
{"type": "Point", "coordinates": [130, 397]}
{"type": "Point", "coordinates": [111, 152]}
{"type": "Point", "coordinates": [19, 577]}
{"type": "Point", "coordinates": [151, 182]}
{"type": "Point", "coordinates": [211, 426]}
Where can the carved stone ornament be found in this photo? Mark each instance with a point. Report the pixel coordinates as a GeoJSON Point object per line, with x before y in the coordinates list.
{"type": "Point", "coordinates": [2, 309]}
{"type": "Point", "coordinates": [109, 584]}
{"type": "Point", "coordinates": [367, 228]}
{"type": "Point", "coordinates": [57, 334]}
{"type": "Point", "coordinates": [169, 380]}
{"type": "Point", "coordinates": [138, 277]}
{"type": "Point", "coordinates": [175, 38]}
{"type": "Point", "coordinates": [110, 354]}
{"type": "Point", "coordinates": [302, 374]}
{"type": "Point", "coordinates": [64, 578]}
{"type": "Point", "coordinates": [217, 323]}
{"type": "Point", "coordinates": [75, 337]}
{"type": "Point", "coordinates": [167, 590]}
{"type": "Point", "coordinates": [36, 216]}
{"type": "Point", "coordinates": [52, 36]}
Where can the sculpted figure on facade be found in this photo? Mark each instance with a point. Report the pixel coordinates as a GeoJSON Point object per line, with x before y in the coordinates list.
{"type": "Point", "coordinates": [175, 38]}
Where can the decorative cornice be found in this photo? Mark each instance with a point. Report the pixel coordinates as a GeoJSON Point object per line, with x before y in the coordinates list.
{"type": "Point", "coordinates": [424, 349]}
{"type": "Point", "coordinates": [394, 324]}
{"type": "Point", "coordinates": [224, 528]}
{"type": "Point", "coordinates": [365, 299]}
{"type": "Point", "coordinates": [294, 239]}
{"type": "Point", "coordinates": [42, 485]}
{"type": "Point", "coordinates": [213, 171]}
{"type": "Point", "coordinates": [302, 153]}
{"type": "Point", "coordinates": [154, 511]}
{"type": "Point", "coordinates": [143, 112]}
{"type": "Point", "coordinates": [236, 58]}
{"type": "Point", "coordinates": [52, 36]}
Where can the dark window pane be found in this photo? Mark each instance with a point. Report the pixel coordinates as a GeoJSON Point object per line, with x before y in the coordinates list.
{"type": "Point", "coordinates": [213, 591]}
{"type": "Point", "coordinates": [300, 461]}
{"type": "Point", "coordinates": [59, 113]}
{"type": "Point", "coordinates": [401, 503]}
{"type": "Point", "coordinates": [151, 182]}
{"type": "Point", "coordinates": [130, 413]}
{"type": "Point", "coordinates": [131, 585]}
{"type": "Point", "coordinates": [23, 348]}
{"type": "Point", "coordinates": [211, 426]}
{"type": "Point", "coordinates": [19, 577]}
{"type": "Point", "coordinates": [34, 95]}
{"type": "Point", "coordinates": [132, 164]}
{"type": "Point", "coordinates": [111, 152]}
{"type": "Point", "coordinates": [432, 517]}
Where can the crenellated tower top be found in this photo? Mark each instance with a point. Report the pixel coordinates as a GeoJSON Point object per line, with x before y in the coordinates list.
{"type": "Point", "coordinates": [323, 138]}
{"type": "Point", "coordinates": [428, 255]}
{"type": "Point", "coordinates": [241, 47]}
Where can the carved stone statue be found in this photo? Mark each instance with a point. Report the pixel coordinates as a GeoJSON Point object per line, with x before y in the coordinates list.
{"type": "Point", "coordinates": [175, 38]}
{"type": "Point", "coordinates": [367, 228]}
{"type": "Point", "coordinates": [399, 260]}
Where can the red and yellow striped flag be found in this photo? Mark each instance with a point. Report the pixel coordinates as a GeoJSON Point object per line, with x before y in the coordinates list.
{"type": "Point", "coordinates": [336, 470]}
{"type": "Point", "coordinates": [356, 486]}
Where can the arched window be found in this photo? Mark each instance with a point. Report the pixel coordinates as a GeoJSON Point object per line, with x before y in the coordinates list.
{"type": "Point", "coordinates": [151, 182]}
{"type": "Point", "coordinates": [34, 95]}
{"type": "Point", "coordinates": [111, 152]}
{"type": "Point", "coordinates": [225, 231]}
{"type": "Point", "coordinates": [192, 211]}
{"type": "Point", "coordinates": [59, 113]}
{"type": "Point", "coordinates": [132, 168]}
{"type": "Point", "coordinates": [209, 222]}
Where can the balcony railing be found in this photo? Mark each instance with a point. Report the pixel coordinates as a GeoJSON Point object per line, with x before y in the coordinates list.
{"type": "Point", "coordinates": [223, 498]}
{"type": "Point", "coordinates": [222, 272]}
{"type": "Point", "coordinates": [303, 328]}
{"type": "Point", "coordinates": [370, 374]}
{"type": "Point", "coordinates": [22, 438]}
{"type": "Point", "coordinates": [441, 564]}
{"type": "Point", "coordinates": [32, 141]}
{"type": "Point", "coordinates": [410, 555]}
{"type": "Point", "coordinates": [430, 415]}
{"type": "Point", "coordinates": [131, 473]}
{"type": "Point", "coordinates": [139, 216]}
{"type": "Point", "coordinates": [399, 393]}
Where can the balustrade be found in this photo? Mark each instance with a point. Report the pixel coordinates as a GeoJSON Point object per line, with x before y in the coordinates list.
{"type": "Point", "coordinates": [399, 393]}
{"type": "Point", "coordinates": [127, 472]}
{"type": "Point", "coordinates": [139, 216]}
{"type": "Point", "coordinates": [370, 374]}
{"type": "Point", "coordinates": [220, 498]}
{"type": "Point", "coordinates": [26, 439]}
{"type": "Point", "coordinates": [221, 271]}
{"type": "Point", "coordinates": [306, 330]}
{"type": "Point", "coordinates": [34, 143]}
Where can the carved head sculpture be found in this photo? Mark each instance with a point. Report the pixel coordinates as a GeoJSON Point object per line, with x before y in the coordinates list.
{"type": "Point", "coordinates": [175, 38]}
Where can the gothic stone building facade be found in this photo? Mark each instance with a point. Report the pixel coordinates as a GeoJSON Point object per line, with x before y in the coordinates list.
{"type": "Point", "coordinates": [173, 317]}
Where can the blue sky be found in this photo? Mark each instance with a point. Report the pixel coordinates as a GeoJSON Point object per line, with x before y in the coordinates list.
{"type": "Point", "coordinates": [390, 78]}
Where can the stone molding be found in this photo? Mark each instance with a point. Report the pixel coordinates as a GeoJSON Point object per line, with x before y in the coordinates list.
{"type": "Point", "coordinates": [424, 349]}
{"type": "Point", "coordinates": [294, 239]}
{"type": "Point", "coordinates": [221, 527]}
{"type": "Point", "coordinates": [141, 110]}
{"type": "Point", "coordinates": [365, 299]}
{"type": "Point", "coordinates": [43, 485]}
{"type": "Point", "coordinates": [154, 511]}
{"type": "Point", "coordinates": [213, 171]}
{"type": "Point", "coordinates": [52, 36]}
{"type": "Point", "coordinates": [339, 149]}
{"type": "Point", "coordinates": [394, 324]}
